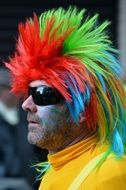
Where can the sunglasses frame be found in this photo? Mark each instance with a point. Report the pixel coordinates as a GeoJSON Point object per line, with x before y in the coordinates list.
{"type": "Point", "coordinates": [45, 95]}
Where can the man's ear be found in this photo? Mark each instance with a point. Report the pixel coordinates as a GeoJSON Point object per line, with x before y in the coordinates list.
{"type": "Point", "coordinates": [81, 117]}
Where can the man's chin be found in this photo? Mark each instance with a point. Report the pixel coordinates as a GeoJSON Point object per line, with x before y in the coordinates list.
{"type": "Point", "coordinates": [33, 138]}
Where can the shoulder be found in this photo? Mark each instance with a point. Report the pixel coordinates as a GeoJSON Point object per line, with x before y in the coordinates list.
{"type": "Point", "coordinates": [115, 165]}
{"type": "Point", "coordinates": [112, 174]}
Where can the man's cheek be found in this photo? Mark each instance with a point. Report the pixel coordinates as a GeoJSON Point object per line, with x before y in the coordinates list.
{"type": "Point", "coordinates": [52, 115]}
{"type": "Point", "coordinates": [43, 111]}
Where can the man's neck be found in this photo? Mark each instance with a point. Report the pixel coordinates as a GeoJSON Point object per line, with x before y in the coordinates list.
{"type": "Point", "coordinates": [72, 141]}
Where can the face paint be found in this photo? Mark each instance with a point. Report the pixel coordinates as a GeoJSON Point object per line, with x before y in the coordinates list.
{"type": "Point", "coordinates": [52, 128]}
{"type": "Point", "coordinates": [49, 126]}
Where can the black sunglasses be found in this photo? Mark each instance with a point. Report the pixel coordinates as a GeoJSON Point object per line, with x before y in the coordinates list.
{"type": "Point", "coordinates": [44, 95]}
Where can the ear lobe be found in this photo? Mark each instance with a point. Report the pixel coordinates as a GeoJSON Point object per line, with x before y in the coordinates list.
{"type": "Point", "coordinates": [81, 117]}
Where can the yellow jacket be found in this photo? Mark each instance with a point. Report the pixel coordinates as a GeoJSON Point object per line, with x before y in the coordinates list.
{"type": "Point", "coordinates": [68, 163]}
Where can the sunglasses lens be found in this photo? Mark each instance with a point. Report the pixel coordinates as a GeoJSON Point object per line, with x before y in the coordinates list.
{"type": "Point", "coordinates": [44, 95]}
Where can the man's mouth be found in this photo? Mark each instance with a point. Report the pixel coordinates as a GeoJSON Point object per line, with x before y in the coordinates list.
{"type": "Point", "coordinates": [32, 125]}
{"type": "Point", "coordinates": [32, 119]}
{"type": "Point", "coordinates": [34, 122]}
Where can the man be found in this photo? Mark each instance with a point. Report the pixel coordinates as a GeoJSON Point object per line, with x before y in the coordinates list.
{"type": "Point", "coordinates": [65, 67]}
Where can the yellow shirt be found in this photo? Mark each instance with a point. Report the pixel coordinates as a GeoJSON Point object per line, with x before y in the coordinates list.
{"type": "Point", "coordinates": [68, 163]}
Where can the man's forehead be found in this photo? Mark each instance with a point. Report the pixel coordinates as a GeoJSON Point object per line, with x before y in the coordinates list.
{"type": "Point", "coordinates": [36, 83]}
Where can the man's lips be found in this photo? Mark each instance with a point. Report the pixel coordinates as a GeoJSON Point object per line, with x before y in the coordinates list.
{"type": "Point", "coordinates": [31, 121]}
{"type": "Point", "coordinates": [34, 122]}
{"type": "Point", "coordinates": [32, 125]}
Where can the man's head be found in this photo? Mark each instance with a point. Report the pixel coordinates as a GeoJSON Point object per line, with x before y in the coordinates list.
{"type": "Point", "coordinates": [50, 124]}
{"type": "Point", "coordinates": [73, 55]}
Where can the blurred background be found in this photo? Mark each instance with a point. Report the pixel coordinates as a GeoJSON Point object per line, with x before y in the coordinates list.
{"type": "Point", "coordinates": [16, 154]}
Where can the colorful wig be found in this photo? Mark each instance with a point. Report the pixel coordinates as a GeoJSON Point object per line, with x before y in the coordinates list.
{"type": "Point", "coordinates": [73, 53]}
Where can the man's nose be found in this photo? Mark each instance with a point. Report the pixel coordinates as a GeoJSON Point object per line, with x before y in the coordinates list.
{"type": "Point", "coordinates": [29, 105]}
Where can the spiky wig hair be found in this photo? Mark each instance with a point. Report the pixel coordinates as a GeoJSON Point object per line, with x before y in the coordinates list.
{"type": "Point", "coordinates": [73, 53]}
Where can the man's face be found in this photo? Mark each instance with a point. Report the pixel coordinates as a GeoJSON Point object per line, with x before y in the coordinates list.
{"type": "Point", "coordinates": [49, 126]}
